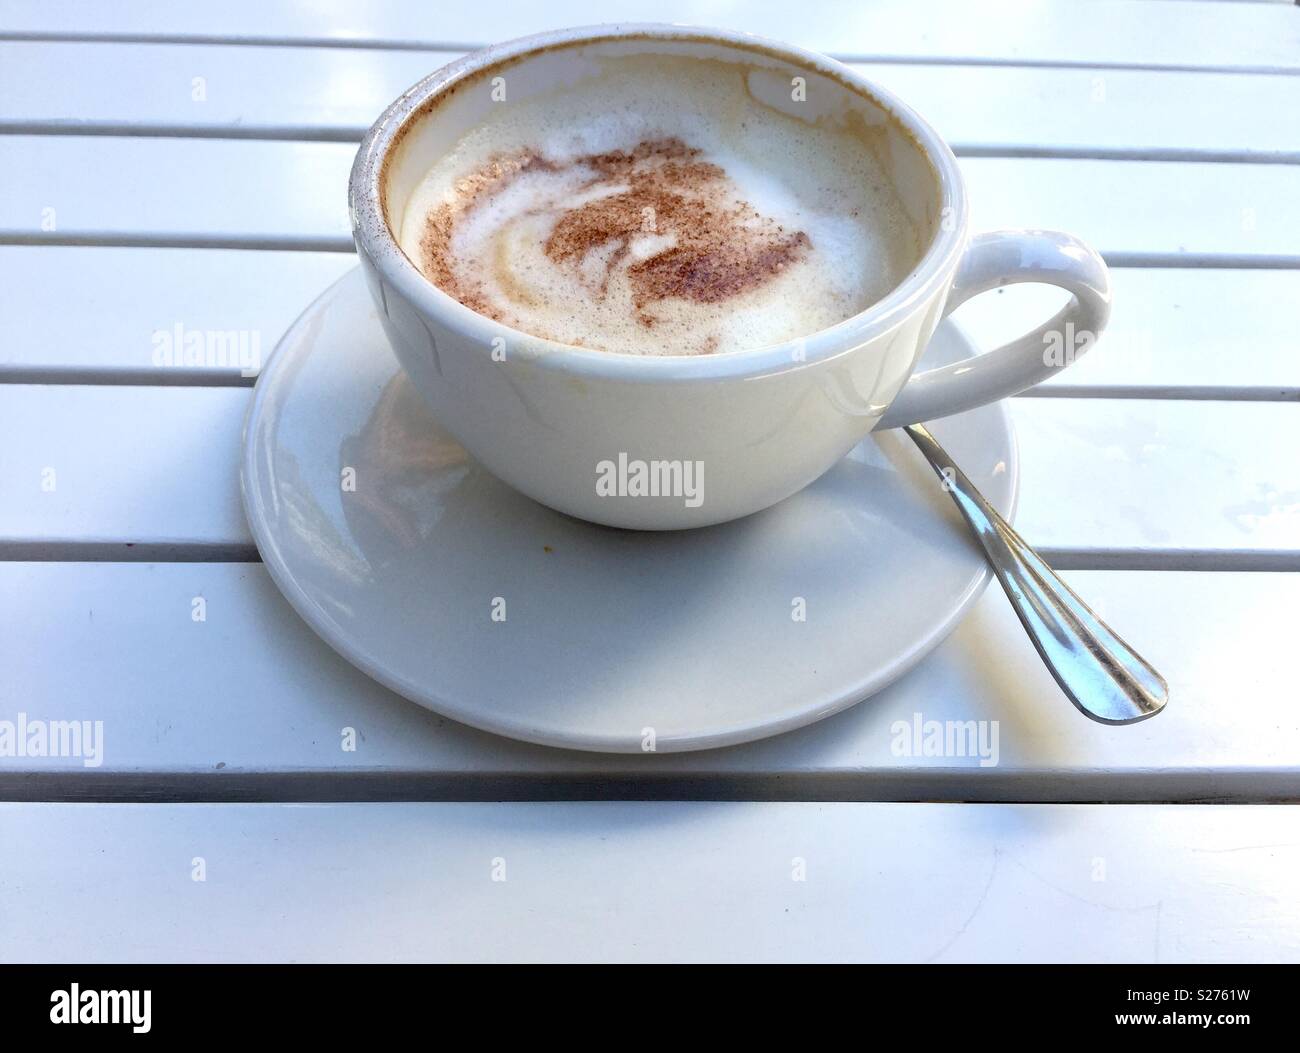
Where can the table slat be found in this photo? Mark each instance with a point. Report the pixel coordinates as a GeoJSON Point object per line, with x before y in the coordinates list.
{"type": "Point", "coordinates": [1174, 331]}
{"type": "Point", "coordinates": [334, 93]}
{"type": "Point", "coordinates": [1062, 32]}
{"type": "Point", "coordinates": [1170, 333]}
{"type": "Point", "coordinates": [136, 304]}
{"type": "Point", "coordinates": [268, 194]}
{"type": "Point", "coordinates": [158, 467]}
{"type": "Point", "coordinates": [651, 882]}
{"type": "Point", "coordinates": [250, 703]}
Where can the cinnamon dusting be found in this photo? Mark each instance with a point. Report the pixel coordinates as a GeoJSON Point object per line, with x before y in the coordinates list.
{"type": "Point", "coordinates": [715, 246]}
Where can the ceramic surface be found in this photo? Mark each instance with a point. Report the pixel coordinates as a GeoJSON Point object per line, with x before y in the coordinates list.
{"type": "Point", "coordinates": [756, 425]}
{"type": "Point", "coordinates": [456, 591]}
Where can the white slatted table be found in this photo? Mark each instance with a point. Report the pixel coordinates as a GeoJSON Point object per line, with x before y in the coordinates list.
{"type": "Point", "coordinates": [1161, 472]}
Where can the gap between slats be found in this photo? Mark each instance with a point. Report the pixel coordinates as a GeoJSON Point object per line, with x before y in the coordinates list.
{"type": "Point", "coordinates": [348, 134]}
{"type": "Point", "coordinates": [376, 44]}
{"type": "Point", "coordinates": [332, 243]}
{"type": "Point", "coordinates": [273, 242]}
{"type": "Point", "coordinates": [1062, 559]}
{"type": "Point", "coordinates": [218, 378]}
{"type": "Point", "coordinates": [1190, 786]}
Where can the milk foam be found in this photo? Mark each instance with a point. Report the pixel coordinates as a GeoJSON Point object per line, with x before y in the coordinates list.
{"type": "Point", "coordinates": [660, 211]}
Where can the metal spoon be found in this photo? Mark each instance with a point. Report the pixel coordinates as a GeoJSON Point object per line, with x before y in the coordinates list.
{"type": "Point", "coordinates": [1102, 675]}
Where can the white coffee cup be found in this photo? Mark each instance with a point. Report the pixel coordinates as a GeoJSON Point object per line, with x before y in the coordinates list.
{"type": "Point", "coordinates": [728, 434]}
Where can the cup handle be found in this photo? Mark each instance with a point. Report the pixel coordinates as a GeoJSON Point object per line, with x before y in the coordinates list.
{"type": "Point", "coordinates": [1008, 257]}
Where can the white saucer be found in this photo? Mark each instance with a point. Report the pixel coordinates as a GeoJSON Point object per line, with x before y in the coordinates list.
{"type": "Point", "coordinates": [607, 632]}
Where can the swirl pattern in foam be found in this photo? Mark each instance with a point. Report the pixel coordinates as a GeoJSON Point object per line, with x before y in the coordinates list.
{"type": "Point", "coordinates": [664, 212]}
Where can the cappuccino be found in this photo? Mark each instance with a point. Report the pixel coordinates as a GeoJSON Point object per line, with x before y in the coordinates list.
{"type": "Point", "coordinates": [662, 210]}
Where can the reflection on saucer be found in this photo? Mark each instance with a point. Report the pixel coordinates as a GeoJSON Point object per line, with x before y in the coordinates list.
{"type": "Point", "coordinates": [402, 465]}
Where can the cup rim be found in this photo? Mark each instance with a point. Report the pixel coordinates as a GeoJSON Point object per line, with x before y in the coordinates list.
{"type": "Point", "coordinates": [375, 239]}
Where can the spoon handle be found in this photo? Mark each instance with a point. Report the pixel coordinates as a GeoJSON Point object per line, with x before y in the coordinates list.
{"type": "Point", "coordinates": [1102, 675]}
